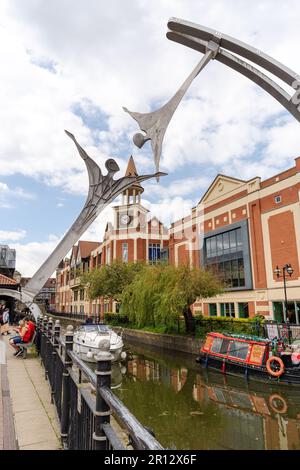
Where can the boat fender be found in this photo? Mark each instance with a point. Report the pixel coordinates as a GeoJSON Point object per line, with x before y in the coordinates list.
{"type": "Point", "coordinates": [279, 361]}
{"type": "Point", "coordinates": [283, 406]}
{"type": "Point", "coordinates": [89, 354]}
{"type": "Point", "coordinates": [123, 355]}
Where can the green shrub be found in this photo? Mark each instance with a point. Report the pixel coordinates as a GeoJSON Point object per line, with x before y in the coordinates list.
{"type": "Point", "coordinates": [115, 319]}
{"type": "Point", "coordinates": [251, 326]}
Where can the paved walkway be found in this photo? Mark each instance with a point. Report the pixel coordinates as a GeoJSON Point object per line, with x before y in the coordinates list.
{"type": "Point", "coordinates": [35, 423]}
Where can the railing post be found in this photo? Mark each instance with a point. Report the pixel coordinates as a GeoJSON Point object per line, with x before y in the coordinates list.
{"type": "Point", "coordinates": [66, 385]}
{"type": "Point", "coordinates": [38, 334]}
{"type": "Point", "coordinates": [48, 359]}
{"type": "Point", "coordinates": [102, 413]}
{"type": "Point", "coordinates": [54, 356]}
{"type": "Point", "coordinates": [43, 338]}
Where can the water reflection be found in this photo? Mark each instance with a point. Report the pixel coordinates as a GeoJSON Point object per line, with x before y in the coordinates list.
{"type": "Point", "coordinates": [189, 408]}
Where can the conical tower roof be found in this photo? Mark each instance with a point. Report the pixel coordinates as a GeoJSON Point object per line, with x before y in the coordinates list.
{"type": "Point", "coordinates": [131, 171]}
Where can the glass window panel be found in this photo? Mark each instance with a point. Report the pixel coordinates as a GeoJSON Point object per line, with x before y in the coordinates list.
{"type": "Point", "coordinates": [234, 273]}
{"type": "Point", "coordinates": [208, 247]}
{"type": "Point", "coordinates": [213, 245]}
{"type": "Point", "coordinates": [220, 245]}
{"type": "Point", "coordinates": [232, 236]}
{"type": "Point", "coordinates": [238, 349]}
{"type": "Point", "coordinates": [216, 346]}
{"type": "Point", "coordinates": [226, 242]}
{"type": "Point", "coordinates": [125, 252]}
{"type": "Point", "coordinates": [239, 238]}
{"type": "Point", "coordinates": [241, 272]}
{"type": "Point", "coordinates": [212, 310]}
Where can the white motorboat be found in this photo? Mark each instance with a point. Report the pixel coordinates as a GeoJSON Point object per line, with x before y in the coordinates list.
{"type": "Point", "coordinates": [91, 339]}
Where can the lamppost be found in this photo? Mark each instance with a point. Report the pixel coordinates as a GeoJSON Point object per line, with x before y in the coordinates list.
{"type": "Point", "coordinates": [286, 269]}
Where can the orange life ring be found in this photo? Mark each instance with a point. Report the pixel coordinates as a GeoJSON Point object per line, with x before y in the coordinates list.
{"type": "Point", "coordinates": [279, 361]}
{"type": "Point", "coordinates": [283, 408]}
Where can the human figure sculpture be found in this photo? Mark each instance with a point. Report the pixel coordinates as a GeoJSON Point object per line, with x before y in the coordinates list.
{"type": "Point", "coordinates": [103, 189]}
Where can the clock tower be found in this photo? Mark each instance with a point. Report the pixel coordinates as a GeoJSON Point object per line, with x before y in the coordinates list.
{"type": "Point", "coordinates": [131, 215]}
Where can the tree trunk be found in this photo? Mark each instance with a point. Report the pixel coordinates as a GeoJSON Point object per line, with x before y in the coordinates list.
{"type": "Point", "coordinates": [189, 320]}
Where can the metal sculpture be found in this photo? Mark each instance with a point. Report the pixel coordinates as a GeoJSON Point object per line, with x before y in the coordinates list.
{"type": "Point", "coordinates": [216, 45]}
{"type": "Point", "coordinates": [103, 189]}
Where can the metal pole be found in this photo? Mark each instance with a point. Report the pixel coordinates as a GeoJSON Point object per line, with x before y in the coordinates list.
{"type": "Point", "coordinates": [66, 385]}
{"type": "Point", "coordinates": [102, 413]}
{"type": "Point", "coordinates": [287, 320]}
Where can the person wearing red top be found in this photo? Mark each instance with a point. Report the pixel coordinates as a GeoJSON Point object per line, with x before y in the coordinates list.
{"type": "Point", "coordinates": [30, 327]}
{"type": "Point", "coordinates": [25, 336]}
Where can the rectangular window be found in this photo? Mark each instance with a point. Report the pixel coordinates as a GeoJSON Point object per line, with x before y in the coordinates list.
{"type": "Point", "coordinates": [238, 349]}
{"type": "Point", "coordinates": [277, 199]}
{"type": "Point", "coordinates": [108, 255]}
{"type": "Point", "coordinates": [232, 238]}
{"type": "Point", "coordinates": [125, 252]}
{"type": "Point", "coordinates": [154, 252]}
{"type": "Point", "coordinates": [244, 310]}
{"type": "Point", "coordinates": [81, 308]}
{"type": "Point", "coordinates": [227, 309]}
{"type": "Point", "coordinates": [226, 246]}
{"type": "Point", "coordinates": [212, 310]}
{"type": "Point", "coordinates": [81, 294]}
{"type": "Point", "coordinates": [75, 295]}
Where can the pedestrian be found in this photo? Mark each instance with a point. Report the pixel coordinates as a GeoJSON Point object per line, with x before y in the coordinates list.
{"type": "Point", "coordinates": [5, 322]}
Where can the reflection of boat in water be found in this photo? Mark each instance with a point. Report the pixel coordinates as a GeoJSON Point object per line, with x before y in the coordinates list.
{"type": "Point", "coordinates": [234, 392]}
{"type": "Point", "coordinates": [251, 357]}
{"type": "Point", "coordinates": [91, 339]}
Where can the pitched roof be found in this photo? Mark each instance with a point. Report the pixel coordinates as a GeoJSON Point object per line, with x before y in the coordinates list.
{"type": "Point", "coordinates": [131, 171]}
{"type": "Point", "coordinates": [86, 248]}
{"type": "Point", "coordinates": [4, 280]}
{"type": "Point", "coordinates": [221, 185]}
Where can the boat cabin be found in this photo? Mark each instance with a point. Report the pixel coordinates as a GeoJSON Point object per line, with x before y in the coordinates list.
{"type": "Point", "coordinates": [242, 348]}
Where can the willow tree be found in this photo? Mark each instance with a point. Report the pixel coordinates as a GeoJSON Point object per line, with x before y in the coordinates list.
{"type": "Point", "coordinates": [109, 281]}
{"type": "Point", "coordinates": [162, 293]}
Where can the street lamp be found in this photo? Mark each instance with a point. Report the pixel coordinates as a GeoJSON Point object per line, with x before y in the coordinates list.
{"type": "Point", "coordinates": [287, 269]}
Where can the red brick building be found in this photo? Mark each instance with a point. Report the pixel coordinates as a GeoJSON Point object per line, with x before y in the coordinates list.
{"type": "Point", "coordinates": [240, 229]}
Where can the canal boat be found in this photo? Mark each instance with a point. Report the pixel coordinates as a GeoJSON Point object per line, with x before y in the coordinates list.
{"type": "Point", "coordinates": [91, 339]}
{"type": "Point", "coordinates": [252, 357]}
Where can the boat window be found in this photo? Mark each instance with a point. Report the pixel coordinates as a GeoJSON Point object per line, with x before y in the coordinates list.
{"type": "Point", "coordinates": [238, 349]}
{"type": "Point", "coordinates": [103, 329]}
{"type": "Point", "coordinates": [220, 346]}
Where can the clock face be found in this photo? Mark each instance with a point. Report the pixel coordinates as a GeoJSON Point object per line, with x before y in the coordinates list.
{"type": "Point", "coordinates": [124, 219]}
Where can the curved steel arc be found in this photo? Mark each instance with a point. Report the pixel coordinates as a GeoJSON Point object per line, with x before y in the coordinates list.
{"type": "Point", "coordinates": [236, 46]}
{"type": "Point", "coordinates": [243, 68]}
{"type": "Point", "coordinates": [214, 45]}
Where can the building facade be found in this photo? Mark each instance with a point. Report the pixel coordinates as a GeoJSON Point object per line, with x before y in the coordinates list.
{"type": "Point", "coordinates": [241, 230]}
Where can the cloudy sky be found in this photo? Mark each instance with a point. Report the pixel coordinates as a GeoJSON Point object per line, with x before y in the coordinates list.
{"type": "Point", "coordinates": [72, 65]}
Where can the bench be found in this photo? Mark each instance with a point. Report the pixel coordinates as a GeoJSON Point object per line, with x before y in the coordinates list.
{"type": "Point", "coordinates": [26, 346]}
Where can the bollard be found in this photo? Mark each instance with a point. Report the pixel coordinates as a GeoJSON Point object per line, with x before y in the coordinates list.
{"type": "Point", "coordinates": [56, 333]}
{"type": "Point", "coordinates": [103, 412]}
{"type": "Point", "coordinates": [66, 386]}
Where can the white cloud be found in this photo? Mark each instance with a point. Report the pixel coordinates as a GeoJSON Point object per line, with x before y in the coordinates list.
{"type": "Point", "coordinates": [8, 236]}
{"type": "Point", "coordinates": [8, 196]}
{"type": "Point", "coordinates": [30, 256]}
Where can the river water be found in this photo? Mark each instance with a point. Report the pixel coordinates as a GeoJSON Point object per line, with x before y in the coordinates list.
{"type": "Point", "coordinates": [190, 408]}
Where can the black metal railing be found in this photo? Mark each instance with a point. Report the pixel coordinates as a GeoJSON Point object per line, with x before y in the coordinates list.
{"type": "Point", "coordinates": [83, 398]}
{"type": "Point", "coordinates": [287, 331]}
{"type": "Point", "coordinates": [75, 316]}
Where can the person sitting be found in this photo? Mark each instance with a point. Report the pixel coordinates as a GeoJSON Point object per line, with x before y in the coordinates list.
{"type": "Point", "coordinates": [25, 334]}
